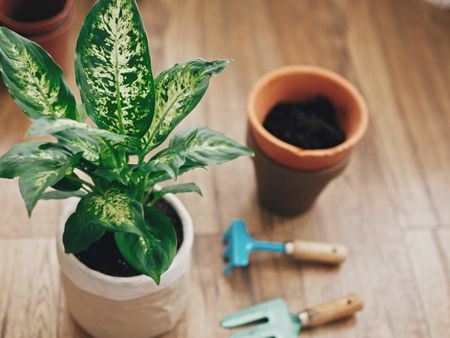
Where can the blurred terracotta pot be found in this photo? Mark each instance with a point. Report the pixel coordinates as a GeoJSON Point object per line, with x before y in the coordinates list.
{"type": "Point", "coordinates": [290, 178]}
{"type": "Point", "coordinates": [47, 22]}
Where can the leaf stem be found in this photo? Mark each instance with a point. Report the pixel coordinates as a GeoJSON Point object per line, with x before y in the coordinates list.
{"type": "Point", "coordinates": [117, 160]}
{"type": "Point", "coordinates": [148, 193]}
{"type": "Point", "coordinates": [83, 182]}
{"type": "Point", "coordinates": [89, 185]}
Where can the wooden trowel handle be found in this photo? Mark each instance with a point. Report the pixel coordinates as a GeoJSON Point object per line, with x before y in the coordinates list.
{"type": "Point", "coordinates": [317, 252]}
{"type": "Point", "coordinates": [331, 311]}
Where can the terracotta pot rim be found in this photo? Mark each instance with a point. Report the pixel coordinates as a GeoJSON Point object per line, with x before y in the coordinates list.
{"type": "Point", "coordinates": [51, 34]}
{"type": "Point", "coordinates": [258, 128]}
{"type": "Point", "coordinates": [40, 27]}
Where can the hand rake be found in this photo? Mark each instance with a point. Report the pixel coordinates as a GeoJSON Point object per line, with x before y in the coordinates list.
{"type": "Point", "coordinates": [278, 322]}
{"type": "Point", "coordinates": [241, 245]}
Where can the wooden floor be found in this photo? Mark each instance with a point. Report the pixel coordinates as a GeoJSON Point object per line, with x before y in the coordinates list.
{"type": "Point", "coordinates": [391, 207]}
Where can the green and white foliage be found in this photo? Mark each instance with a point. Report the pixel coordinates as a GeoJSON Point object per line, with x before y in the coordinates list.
{"type": "Point", "coordinates": [77, 136]}
{"type": "Point", "coordinates": [113, 68]}
{"type": "Point", "coordinates": [206, 147]}
{"type": "Point", "coordinates": [153, 252]}
{"type": "Point", "coordinates": [176, 189]}
{"type": "Point", "coordinates": [178, 91]}
{"type": "Point", "coordinates": [39, 166]}
{"type": "Point", "coordinates": [80, 232]}
{"type": "Point", "coordinates": [114, 210]}
{"type": "Point", "coordinates": [33, 79]}
{"type": "Point", "coordinates": [108, 167]}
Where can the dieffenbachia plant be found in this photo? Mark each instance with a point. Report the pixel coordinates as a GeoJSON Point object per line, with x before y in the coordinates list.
{"type": "Point", "coordinates": [107, 167]}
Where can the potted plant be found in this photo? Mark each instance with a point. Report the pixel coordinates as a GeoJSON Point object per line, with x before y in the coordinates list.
{"type": "Point", "coordinates": [125, 246]}
{"type": "Point", "coordinates": [303, 122]}
{"type": "Point", "coordinates": [46, 22]}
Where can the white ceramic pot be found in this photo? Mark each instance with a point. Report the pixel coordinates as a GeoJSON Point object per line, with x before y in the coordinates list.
{"type": "Point", "coordinates": [134, 307]}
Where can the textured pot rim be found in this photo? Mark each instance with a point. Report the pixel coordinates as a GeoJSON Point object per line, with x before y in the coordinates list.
{"type": "Point", "coordinates": [145, 284]}
{"type": "Point", "coordinates": [41, 27]}
{"type": "Point", "coordinates": [258, 128]}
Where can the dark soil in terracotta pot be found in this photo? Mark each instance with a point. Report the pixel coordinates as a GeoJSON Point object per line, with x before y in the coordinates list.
{"type": "Point", "coordinates": [31, 11]}
{"type": "Point", "coordinates": [307, 124]}
{"type": "Point", "coordinates": [104, 256]}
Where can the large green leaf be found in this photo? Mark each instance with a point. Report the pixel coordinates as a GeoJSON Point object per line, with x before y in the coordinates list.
{"type": "Point", "coordinates": [61, 195]}
{"type": "Point", "coordinates": [51, 126]}
{"type": "Point", "coordinates": [169, 160]}
{"type": "Point", "coordinates": [113, 68]}
{"type": "Point", "coordinates": [192, 148]}
{"type": "Point", "coordinates": [77, 136]}
{"type": "Point", "coordinates": [153, 253]}
{"type": "Point", "coordinates": [205, 146]}
{"type": "Point", "coordinates": [37, 178]}
{"type": "Point", "coordinates": [33, 79]}
{"type": "Point", "coordinates": [178, 90]}
{"type": "Point", "coordinates": [80, 233]}
{"type": "Point", "coordinates": [175, 189]}
{"type": "Point", "coordinates": [113, 175]}
{"type": "Point", "coordinates": [24, 156]}
{"type": "Point", "coordinates": [114, 210]}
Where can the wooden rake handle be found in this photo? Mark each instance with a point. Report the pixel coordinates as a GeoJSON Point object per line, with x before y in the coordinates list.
{"type": "Point", "coordinates": [331, 311]}
{"type": "Point", "coordinates": [328, 253]}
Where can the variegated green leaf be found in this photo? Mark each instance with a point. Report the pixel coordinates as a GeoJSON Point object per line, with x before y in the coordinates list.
{"type": "Point", "coordinates": [153, 252]}
{"type": "Point", "coordinates": [161, 176]}
{"type": "Point", "coordinates": [61, 195]}
{"type": "Point", "coordinates": [113, 68]}
{"type": "Point", "coordinates": [37, 178]}
{"type": "Point", "coordinates": [195, 147]}
{"type": "Point", "coordinates": [114, 210]}
{"type": "Point", "coordinates": [113, 175]}
{"type": "Point", "coordinates": [27, 155]}
{"type": "Point", "coordinates": [80, 232]}
{"type": "Point", "coordinates": [51, 126]}
{"type": "Point", "coordinates": [205, 146]}
{"type": "Point", "coordinates": [76, 136]}
{"type": "Point", "coordinates": [178, 91]}
{"type": "Point", "coordinates": [175, 189]}
{"type": "Point", "coordinates": [33, 79]}
{"type": "Point", "coordinates": [168, 160]}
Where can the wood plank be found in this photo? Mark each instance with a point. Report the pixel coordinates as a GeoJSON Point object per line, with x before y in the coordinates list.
{"type": "Point", "coordinates": [389, 207]}
{"type": "Point", "coordinates": [443, 237]}
{"type": "Point", "coordinates": [388, 138]}
{"type": "Point", "coordinates": [432, 279]}
{"type": "Point", "coordinates": [424, 114]}
{"type": "Point", "coordinates": [15, 222]}
{"type": "Point", "coordinates": [29, 288]}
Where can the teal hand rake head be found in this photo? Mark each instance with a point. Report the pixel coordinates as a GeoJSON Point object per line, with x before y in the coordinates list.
{"type": "Point", "coordinates": [240, 245]}
{"type": "Point", "coordinates": [277, 322]}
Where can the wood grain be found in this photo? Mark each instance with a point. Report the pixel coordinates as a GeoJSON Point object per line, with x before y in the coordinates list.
{"type": "Point", "coordinates": [390, 207]}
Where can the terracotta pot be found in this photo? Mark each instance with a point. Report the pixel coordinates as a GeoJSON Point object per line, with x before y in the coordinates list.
{"type": "Point", "coordinates": [135, 307]}
{"type": "Point", "coordinates": [290, 178]}
{"type": "Point", "coordinates": [46, 22]}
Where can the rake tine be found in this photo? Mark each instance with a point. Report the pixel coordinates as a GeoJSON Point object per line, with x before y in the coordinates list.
{"type": "Point", "coordinates": [226, 253]}
{"type": "Point", "coordinates": [228, 268]}
{"type": "Point", "coordinates": [241, 318]}
{"type": "Point", "coordinates": [258, 331]}
{"type": "Point", "coordinates": [251, 314]}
